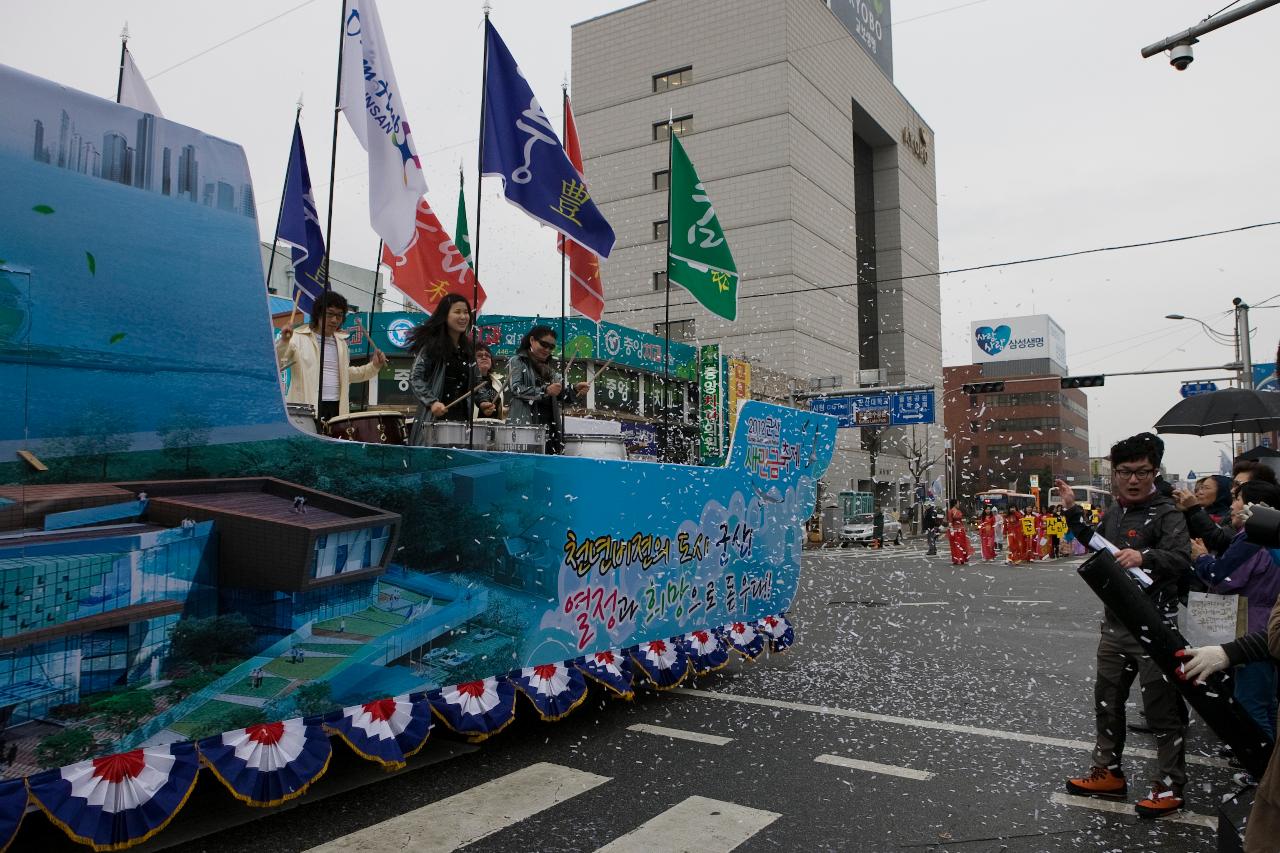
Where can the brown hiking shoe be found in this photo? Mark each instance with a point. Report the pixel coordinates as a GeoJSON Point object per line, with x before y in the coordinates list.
{"type": "Point", "coordinates": [1162, 800]}
{"type": "Point", "coordinates": [1101, 782]}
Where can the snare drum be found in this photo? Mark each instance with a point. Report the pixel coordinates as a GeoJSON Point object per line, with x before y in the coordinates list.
{"type": "Point", "coordinates": [376, 426]}
{"type": "Point", "coordinates": [452, 434]}
{"type": "Point", "coordinates": [520, 438]}
{"type": "Point", "coordinates": [302, 416]}
{"type": "Point", "coordinates": [595, 446]}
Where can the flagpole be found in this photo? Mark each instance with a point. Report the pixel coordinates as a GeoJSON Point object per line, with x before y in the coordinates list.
{"type": "Point", "coordinates": [124, 47]}
{"type": "Point", "coordinates": [564, 246]}
{"type": "Point", "coordinates": [666, 326]}
{"type": "Point", "coordinates": [328, 228]}
{"type": "Point", "coordinates": [475, 244]}
{"type": "Point", "coordinates": [284, 193]}
{"type": "Point", "coordinates": [377, 262]}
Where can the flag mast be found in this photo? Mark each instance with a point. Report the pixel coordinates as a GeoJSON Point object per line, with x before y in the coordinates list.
{"type": "Point", "coordinates": [328, 228]}
{"type": "Point", "coordinates": [564, 247]}
{"type": "Point", "coordinates": [275, 239]}
{"type": "Point", "coordinates": [475, 245]}
{"type": "Point", "coordinates": [124, 47]}
{"type": "Point", "coordinates": [666, 326]}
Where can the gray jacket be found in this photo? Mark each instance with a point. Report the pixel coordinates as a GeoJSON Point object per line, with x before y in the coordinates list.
{"type": "Point", "coordinates": [525, 388]}
{"type": "Point", "coordinates": [426, 380]}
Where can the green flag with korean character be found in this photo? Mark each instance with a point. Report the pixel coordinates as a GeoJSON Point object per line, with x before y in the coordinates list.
{"type": "Point", "coordinates": [698, 256]}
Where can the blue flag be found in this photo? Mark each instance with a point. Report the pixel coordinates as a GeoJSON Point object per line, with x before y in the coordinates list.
{"type": "Point", "coordinates": [300, 227]}
{"type": "Point", "coordinates": [521, 146]}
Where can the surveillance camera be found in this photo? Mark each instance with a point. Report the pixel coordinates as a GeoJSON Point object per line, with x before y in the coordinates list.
{"type": "Point", "coordinates": [1180, 56]}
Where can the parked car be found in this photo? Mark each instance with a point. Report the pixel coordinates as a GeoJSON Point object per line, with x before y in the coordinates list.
{"type": "Point", "coordinates": [861, 530]}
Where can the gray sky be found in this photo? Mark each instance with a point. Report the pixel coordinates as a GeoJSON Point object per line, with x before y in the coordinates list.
{"type": "Point", "coordinates": [1052, 135]}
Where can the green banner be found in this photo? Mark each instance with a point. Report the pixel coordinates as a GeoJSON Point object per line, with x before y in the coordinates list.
{"type": "Point", "coordinates": [710, 416]}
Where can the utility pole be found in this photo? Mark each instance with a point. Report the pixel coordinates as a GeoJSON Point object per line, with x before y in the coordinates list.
{"type": "Point", "coordinates": [1242, 342]}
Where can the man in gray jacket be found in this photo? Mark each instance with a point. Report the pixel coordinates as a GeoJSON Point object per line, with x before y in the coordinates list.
{"type": "Point", "coordinates": [1148, 536]}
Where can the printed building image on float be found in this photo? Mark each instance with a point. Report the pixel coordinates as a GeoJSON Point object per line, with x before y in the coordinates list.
{"type": "Point", "coordinates": [190, 586]}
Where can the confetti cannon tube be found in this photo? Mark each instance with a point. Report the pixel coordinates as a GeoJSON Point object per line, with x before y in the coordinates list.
{"type": "Point", "coordinates": [1212, 700]}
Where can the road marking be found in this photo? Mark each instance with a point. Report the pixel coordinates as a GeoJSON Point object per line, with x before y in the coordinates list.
{"type": "Point", "coordinates": [873, 767]}
{"type": "Point", "coordinates": [680, 733]}
{"type": "Point", "coordinates": [697, 823]}
{"type": "Point", "coordinates": [929, 724]}
{"type": "Point", "coordinates": [1024, 601]}
{"type": "Point", "coordinates": [1189, 818]}
{"type": "Point", "coordinates": [471, 814]}
{"type": "Point", "coordinates": [917, 603]}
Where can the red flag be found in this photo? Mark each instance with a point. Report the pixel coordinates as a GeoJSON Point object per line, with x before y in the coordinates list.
{"type": "Point", "coordinates": [431, 266]}
{"type": "Point", "coordinates": [586, 290]}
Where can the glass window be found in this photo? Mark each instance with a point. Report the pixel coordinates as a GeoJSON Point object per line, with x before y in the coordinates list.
{"type": "Point", "coordinates": [661, 180]}
{"type": "Point", "coordinates": [681, 330]}
{"type": "Point", "coordinates": [660, 229]}
{"type": "Point", "coordinates": [660, 280]}
{"type": "Point", "coordinates": [672, 79]}
{"type": "Point", "coordinates": [679, 125]}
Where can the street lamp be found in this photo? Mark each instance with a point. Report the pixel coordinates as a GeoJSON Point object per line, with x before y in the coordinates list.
{"type": "Point", "coordinates": [1245, 375]}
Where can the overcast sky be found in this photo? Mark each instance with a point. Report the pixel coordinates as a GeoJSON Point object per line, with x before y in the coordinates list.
{"type": "Point", "coordinates": [1052, 135]}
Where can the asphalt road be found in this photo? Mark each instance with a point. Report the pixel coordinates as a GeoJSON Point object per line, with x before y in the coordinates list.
{"type": "Point", "coordinates": [924, 708]}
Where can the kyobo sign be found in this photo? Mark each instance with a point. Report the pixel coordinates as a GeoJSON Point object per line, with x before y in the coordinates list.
{"type": "Point", "coordinates": [889, 408]}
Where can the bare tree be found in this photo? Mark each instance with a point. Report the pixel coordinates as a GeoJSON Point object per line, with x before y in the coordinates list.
{"type": "Point", "coordinates": [915, 450]}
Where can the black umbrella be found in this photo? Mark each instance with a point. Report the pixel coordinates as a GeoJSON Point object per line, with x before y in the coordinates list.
{"type": "Point", "coordinates": [1260, 453]}
{"type": "Point", "coordinates": [1232, 410]}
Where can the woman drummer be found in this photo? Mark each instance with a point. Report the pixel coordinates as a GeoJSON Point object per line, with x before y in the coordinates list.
{"type": "Point", "coordinates": [488, 393]}
{"type": "Point", "coordinates": [444, 371]}
{"type": "Point", "coordinates": [537, 391]}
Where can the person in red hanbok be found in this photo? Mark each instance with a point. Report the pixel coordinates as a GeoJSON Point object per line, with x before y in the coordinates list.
{"type": "Point", "coordinates": [1041, 551]}
{"type": "Point", "coordinates": [958, 536]}
{"type": "Point", "coordinates": [1017, 537]}
{"type": "Point", "coordinates": [987, 534]}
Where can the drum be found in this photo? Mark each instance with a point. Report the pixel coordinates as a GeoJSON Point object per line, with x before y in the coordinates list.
{"type": "Point", "coordinates": [520, 438]}
{"type": "Point", "coordinates": [595, 446]}
{"type": "Point", "coordinates": [453, 434]}
{"type": "Point", "coordinates": [376, 426]}
{"type": "Point", "coordinates": [302, 416]}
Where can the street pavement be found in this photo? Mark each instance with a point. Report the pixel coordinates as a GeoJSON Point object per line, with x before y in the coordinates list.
{"type": "Point", "coordinates": [924, 708]}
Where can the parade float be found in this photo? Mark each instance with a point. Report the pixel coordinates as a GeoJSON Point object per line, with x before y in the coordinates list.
{"type": "Point", "coordinates": [191, 587]}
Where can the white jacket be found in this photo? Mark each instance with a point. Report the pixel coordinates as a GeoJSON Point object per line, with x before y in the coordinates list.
{"type": "Point", "coordinates": [302, 353]}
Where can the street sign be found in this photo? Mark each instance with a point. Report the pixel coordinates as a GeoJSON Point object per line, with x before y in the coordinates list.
{"type": "Point", "coordinates": [878, 408]}
{"type": "Point", "coordinates": [1192, 388]}
{"type": "Point", "coordinates": [1191, 475]}
{"type": "Point", "coordinates": [1035, 481]}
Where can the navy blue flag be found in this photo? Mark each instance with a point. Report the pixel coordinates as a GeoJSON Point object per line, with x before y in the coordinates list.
{"type": "Point", "coordinates": [300, 227]}
{"type": "Point", "coordinates": [521, 146]}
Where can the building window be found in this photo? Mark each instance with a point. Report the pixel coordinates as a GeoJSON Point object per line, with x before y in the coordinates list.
{"type": "Point", "coordinates": [672, 79]}
{"type": "Point", "coordinates": [660, 280]}
{"type": "Point", "coordinates": [681, 330]}
{"type": "Point", "coordinates": [661, 180]}
{"type": "Point", "coordinates": [660, 230]}
{"type": "Point", "coordinates": [680, 124]}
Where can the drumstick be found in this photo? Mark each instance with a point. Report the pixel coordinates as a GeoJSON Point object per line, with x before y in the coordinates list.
{"type": "Point", "coordinates": [294, 312]}
{"type": "Point", "coordinates": [600, 370]}
{"type": "Point", "coordinates": [466, 395]}
{"type": "Point", "coordinates": [367, 336]}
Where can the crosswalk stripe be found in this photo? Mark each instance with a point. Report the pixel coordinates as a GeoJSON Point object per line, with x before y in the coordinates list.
{"type": "Point", "coordinates": [695, 824]}
{"type": "Point", "coordinates": [873, 767]}
{"type": "Point", "coordinates": [472, 814]}
{"type": "Point", "coordinates": [826, 710]}
{"type": "Point", "coordinates": [699, 737]}
{"type": "Point", "coordinates": [1189, 818]}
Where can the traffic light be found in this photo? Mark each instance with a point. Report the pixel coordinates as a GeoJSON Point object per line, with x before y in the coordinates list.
{"type": "Point", "coordinates": [1083, 381]}
{"type": "Point", "coordinates": [983, 387]}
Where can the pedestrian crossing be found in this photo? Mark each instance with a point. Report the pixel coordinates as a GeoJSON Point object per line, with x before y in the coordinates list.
{"type": "Point", "coordinates": [694, 824]}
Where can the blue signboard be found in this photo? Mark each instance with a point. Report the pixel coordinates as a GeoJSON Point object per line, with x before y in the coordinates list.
{"type": "Point", "coordinates": [1192, 389]}
{"type": "Point", "coordinates": [1264, 377]}
{"type": "Point", "coordinates": [888, 408]}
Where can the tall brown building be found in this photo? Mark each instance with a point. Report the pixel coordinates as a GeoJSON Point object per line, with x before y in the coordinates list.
{"type": "Point", "coordinates": [998, 439]}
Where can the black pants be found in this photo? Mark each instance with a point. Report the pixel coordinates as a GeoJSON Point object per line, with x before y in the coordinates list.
{"type": "Point", "coordinates": [328, 409]}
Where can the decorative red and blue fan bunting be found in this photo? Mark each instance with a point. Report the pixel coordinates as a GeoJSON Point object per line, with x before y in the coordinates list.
{"type": "Point", "coordinates": [611, 668]}
{"type": "Point", "coordinates": [555, 689]}
{"type": "Point", "coordinates": [117, 801]}
{"type": "Point", "coordinates": [664, 662]}
{"type": "Point", "coordinates": [779, 631]}
{"type": "Point", "coordinates": [13, 805]}
{"type": "Point", "coordinates": [477, 709]}
{"type": "Point", "coordinates": [745, 639]}
{"type": "Point", "coordinates": [269, 763]}
{"type": "Point", "coordinates": [707, 651]}
{"type": "Point", "coordinates": [386, 730]}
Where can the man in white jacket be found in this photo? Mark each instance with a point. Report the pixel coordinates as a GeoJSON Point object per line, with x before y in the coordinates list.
{"type": "Point", "coordinates": [300, 349]}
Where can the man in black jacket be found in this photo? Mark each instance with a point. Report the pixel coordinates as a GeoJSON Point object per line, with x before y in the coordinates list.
{"type": "Point", "coordinates": [1148, 536]}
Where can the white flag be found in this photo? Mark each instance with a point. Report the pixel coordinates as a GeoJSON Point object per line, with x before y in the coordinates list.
{"type": "Point", "coordinates": [374, 106]}
{"type": "Point", "coordinates": [133, 89]}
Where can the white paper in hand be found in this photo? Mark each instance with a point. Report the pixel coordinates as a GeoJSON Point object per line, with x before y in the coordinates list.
{"type": "Point", "coordinates": [1098, 543]}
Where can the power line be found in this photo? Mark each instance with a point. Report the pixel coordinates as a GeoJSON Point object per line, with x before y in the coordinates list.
{"type": "Point", "coordinates": [944, 11]}
{"type": "Point", "coordinates": [999, 265]}
{"type": "Point", "coordinates": [233, 38]}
